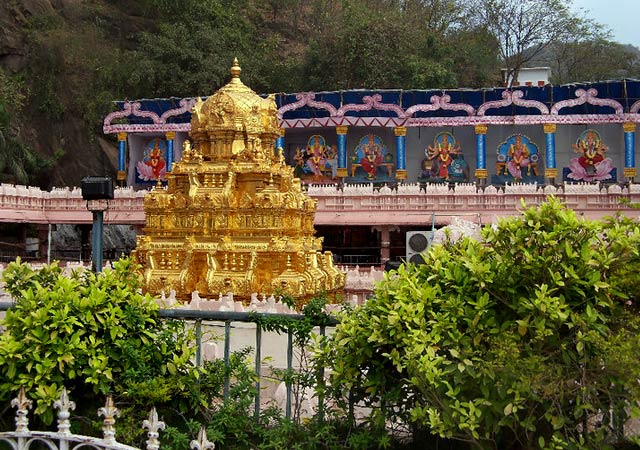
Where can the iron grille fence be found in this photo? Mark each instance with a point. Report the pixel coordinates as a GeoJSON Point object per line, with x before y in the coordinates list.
{"type": "Point", "coordinates": [226, 319]}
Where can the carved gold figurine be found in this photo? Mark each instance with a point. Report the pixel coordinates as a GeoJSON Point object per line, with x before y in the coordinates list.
{"type": "Point", "coordinates": [233, 218]}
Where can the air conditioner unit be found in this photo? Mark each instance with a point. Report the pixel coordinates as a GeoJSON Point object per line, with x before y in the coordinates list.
{"type": "Point", "coordinates": [418, 242]}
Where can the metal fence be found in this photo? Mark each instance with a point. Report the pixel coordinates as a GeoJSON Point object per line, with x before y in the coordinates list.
{"type": "Point", "coordinates": [24, 439]}
{"type": "Point", "coordinates": [226, 319]}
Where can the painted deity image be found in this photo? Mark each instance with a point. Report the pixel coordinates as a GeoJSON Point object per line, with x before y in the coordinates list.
{"type": "Point", "coordinates": [370, 155]}
{"type": "Point", "coordinates": [152, 167]}
{"type": "Point", "coordinates": [444, 160]}
{"type": "Point", "coordinates": [592, 164]}
{"type": "Point", "coordinates": [441, 154]}
{"type": "Point", "coordinates": [317, 161]}
{"type": "Point", "coordinates": [316, 155]}
{"type": "Point", "coordinates": [517, 161]}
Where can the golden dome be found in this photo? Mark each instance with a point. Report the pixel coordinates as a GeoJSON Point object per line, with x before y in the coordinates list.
{"type": "Point", "coordinates": [235, 107]}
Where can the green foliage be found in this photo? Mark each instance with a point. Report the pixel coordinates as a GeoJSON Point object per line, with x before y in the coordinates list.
{"type": "Point", "coordinates": [16, 159]}
{"type": "Point", "coordinates": [93, 334]}
{"type": "Point", "coordinates": [593, 59]}
{"type": "Point", "coordinates": [355, 49]}
{"type": "Point", "coordinates": [18, 162]}
{"type": "Point", "coordinates": [521, 341]}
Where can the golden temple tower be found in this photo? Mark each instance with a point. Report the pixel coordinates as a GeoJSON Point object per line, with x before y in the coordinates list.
{"type": "Point", "coordinates": [233, 218]}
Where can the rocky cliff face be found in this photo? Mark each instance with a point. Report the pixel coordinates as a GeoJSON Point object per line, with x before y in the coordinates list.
{"type": "Point", "coordinates": [54, 48]}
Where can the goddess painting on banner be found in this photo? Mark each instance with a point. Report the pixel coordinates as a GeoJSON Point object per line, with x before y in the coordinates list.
{"type": "Point", "coordinates": [517, 161]}
{"type": "Point", "coordinates": [592, 164]}
{"type": "Point", "coordinates": [316, 155]}
{"type": "Point", "coordinates": [442, 154]}
{"type": "Point", "coordinates": [153, 164]}
{"type": "Point", "coordinates": [317, 161]}
{"type": "Point", "coordinates": [370, 155]}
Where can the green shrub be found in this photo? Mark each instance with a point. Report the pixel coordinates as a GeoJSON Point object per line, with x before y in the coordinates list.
{"type": "Point", "coordinates": [526, 340]}
{"type": "Point", "coordinates": [96, 335]}
{"type": "Point", "coordinates": [91, 333]}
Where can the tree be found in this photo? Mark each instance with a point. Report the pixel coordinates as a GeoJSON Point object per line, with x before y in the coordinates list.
{"type": "Point", "coordinates": [379, 44]}
{"type": "Point", "coordinates": [525, 28]}
{"type": "Point", "coordinates": [525, 340]}
{"type": "Point", "coordinates": [594, 59]}
{"type": "Point", "coordinates": [16, 158]}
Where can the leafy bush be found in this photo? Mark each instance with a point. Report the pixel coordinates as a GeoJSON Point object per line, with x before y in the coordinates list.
{"type": "Point", "coordinates": [527, 340]}
{"type": "Point", "coordinates": [91, 333]}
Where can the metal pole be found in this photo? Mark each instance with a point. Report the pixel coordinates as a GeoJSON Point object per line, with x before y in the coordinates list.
{"type": "Point", "coordinates": [96, 241]}
{"type": "Point", "coordinates": [320, 384]}
{"type": "Point", "coordinates": [198, 343]}
{"type": "Point", "coordinates": [49, 245]}
{"type": "Point", "coordinates": [289, 373]}
{"type": "Point", "coordinates": [258, 367]}
{"type": "Point", "coordinates": [227, 340]}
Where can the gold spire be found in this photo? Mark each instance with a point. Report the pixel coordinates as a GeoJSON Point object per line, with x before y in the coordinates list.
{"type": "Point", "coordinates": [235, 69]}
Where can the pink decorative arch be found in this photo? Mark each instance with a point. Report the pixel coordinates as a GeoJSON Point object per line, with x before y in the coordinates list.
{"type": "Point", "coordinates": [635, 107]}
{"type": "Point", "coordinates": [371, 102]}
{"type": "Point", "coordinates": [131, 109]}
{"type": "Point", "coordinates": [590, 97]}
{"type": "Point", "coordinates": [440, 102]}
{"type": "Point", "coordinates": [517, 96]}
{"type": "Point", "coordinates": [307, 98]}
{"type": "Point", "coordinates": [185, 106]}
{"type": "Point", "coordinates": [506, 95]}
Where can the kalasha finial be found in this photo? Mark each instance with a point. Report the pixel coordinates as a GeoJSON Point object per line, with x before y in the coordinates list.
{"type": "Point", "coordinates": [235, 69]}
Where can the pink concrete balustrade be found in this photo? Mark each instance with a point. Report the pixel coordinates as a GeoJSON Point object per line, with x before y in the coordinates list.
{"type": "Point", "coordinates": [354, 204]}
{"type": "Point", "coordinates": [412, 204]}
{"type": "Point", "coordinates": [22, 204]}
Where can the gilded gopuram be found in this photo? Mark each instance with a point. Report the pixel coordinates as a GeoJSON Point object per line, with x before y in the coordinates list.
{"type": "Point", "coordinates": [232, 217]}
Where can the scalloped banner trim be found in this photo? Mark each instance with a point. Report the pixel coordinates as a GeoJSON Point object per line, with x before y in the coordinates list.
{"type": "Point", "coordinates": [130, 109]}
{"type": "Point", "coordinates": [440, 102]}
{"type": "Point", "coordinates": [573, 119]}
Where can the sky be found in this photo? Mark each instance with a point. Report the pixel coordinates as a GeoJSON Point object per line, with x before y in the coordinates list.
{"type": "Point", "coordinates": [621, 16]}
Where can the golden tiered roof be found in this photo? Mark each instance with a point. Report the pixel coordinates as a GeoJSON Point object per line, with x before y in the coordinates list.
{"type": "Point", "coordinates": [233, 218]}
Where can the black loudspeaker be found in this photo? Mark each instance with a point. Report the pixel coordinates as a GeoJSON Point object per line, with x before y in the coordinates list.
{"type": "Point", "coordinates": [97, 188]}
